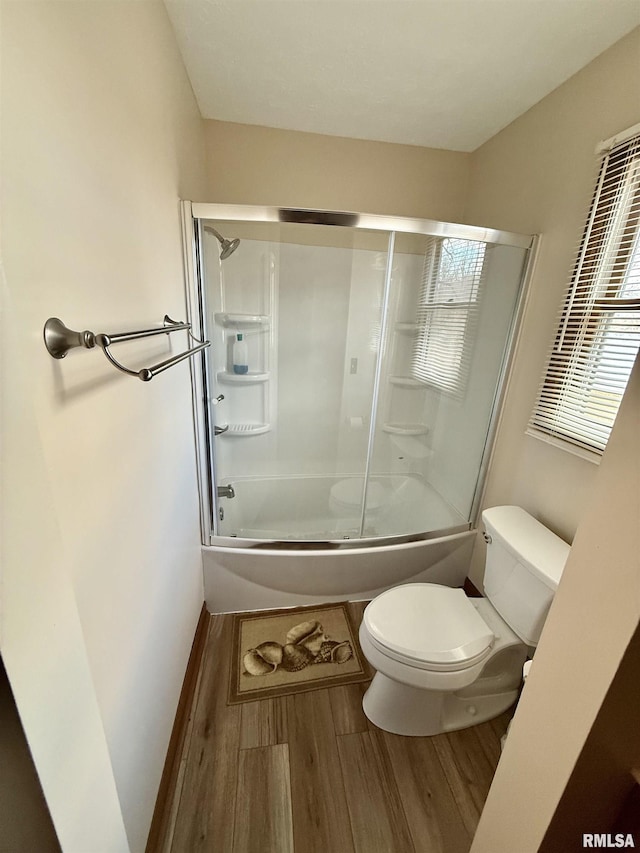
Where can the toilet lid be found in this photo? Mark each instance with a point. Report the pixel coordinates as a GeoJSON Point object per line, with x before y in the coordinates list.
{"type": "Point", "coordinates": [428, 623]}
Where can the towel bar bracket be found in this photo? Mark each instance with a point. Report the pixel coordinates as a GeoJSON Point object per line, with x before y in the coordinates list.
{"type": "Point", "coordinates": [59, 339]}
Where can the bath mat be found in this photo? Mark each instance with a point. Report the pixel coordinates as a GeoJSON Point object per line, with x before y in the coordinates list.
{"type": "Point", "coordinates": [279, 652]}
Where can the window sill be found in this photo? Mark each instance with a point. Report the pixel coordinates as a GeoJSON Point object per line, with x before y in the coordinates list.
{"type": "Point", "coordinates": [590, 455]}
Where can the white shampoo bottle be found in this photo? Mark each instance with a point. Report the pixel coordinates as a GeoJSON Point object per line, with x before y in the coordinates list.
{"type": "Point", "coordinates": [240, 355]}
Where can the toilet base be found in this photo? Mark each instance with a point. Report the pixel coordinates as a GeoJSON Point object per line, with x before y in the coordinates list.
{"type": "Point", "coordinates": [415, 712]}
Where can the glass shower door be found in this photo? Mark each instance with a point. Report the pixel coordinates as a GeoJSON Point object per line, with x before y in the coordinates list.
{"type": "Point", "coordinates": [291, 447]}
{"type": "Point", "coordinates": [452, 304]}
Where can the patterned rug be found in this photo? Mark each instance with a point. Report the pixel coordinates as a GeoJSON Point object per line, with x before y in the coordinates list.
{"type": "Point", "coordinates": [278, 652]}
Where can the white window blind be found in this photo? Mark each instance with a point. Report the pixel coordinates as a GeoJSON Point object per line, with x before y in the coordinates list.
{"type": "Point", "coordinates": [447, 313]}
{"type": "Point", "coordinates": [599, 329]}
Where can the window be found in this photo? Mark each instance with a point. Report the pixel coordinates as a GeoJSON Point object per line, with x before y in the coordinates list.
{"type": "Point", "coordinates": [599, 330]}
{"type": "Point", "coordinates": [447, 313]}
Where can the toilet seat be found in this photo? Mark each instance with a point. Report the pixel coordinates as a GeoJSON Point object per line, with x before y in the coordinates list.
{"type": "Point", "coordinates": [428, 626]}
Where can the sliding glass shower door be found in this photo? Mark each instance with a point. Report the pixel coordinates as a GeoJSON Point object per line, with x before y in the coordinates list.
{"type": "Point", "coordinates": [290, 435]}
{"type": "Point", "coordinates": [354, 373]}
{"type": "Point", "coordinates": [451, 309]}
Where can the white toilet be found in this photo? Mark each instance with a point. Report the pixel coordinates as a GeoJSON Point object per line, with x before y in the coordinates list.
{"type": "Point", "coordinates": [444, 661]}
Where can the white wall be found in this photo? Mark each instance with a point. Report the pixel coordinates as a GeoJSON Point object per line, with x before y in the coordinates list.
{"type": "Point", "coordinates": [101, 578]}
{"type": "Point", "coordinates": [538, 176]}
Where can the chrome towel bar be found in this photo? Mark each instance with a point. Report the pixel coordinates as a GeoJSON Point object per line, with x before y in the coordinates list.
{"type": "Point", "coordinates": [59, 339]}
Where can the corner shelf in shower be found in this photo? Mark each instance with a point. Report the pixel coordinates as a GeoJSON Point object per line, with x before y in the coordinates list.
{"type": "Point", "coordinates": [406, 429]}
{"type": "Point", "coordinates": [406, 382]}
{"type": "Point", "coordinates": [242, 321]}
{"type": "Point", "coordinates": [246, 430]}
{"type": "Point", "coordinates": [250, 378]}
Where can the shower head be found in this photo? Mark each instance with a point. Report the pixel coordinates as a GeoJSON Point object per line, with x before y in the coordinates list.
{"type": "Point", "coordinates": [227, 247]}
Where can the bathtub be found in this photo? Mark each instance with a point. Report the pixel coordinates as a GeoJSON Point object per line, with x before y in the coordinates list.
{"type": "Point", "coordinates": [263, 576]}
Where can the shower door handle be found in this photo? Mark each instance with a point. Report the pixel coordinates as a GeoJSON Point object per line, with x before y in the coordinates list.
{"type": "Point", "coordinates": [219, 430]}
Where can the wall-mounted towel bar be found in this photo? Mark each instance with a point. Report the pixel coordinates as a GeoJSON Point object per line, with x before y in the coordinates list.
{"type": "Point", "coordinates": [59, 340]}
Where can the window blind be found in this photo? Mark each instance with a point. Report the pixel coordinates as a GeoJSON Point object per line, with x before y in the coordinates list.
{"type": "Point", "coordinates": [599, 328]}
{"type": "Point", "coordinates": [446, 314]}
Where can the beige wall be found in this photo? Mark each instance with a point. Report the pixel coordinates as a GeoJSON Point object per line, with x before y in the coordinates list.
{"type": "Point", "coordinates": [261, 165]}
{"type": "Point", "coordinates": [537, 176]}
{"type": "Point", "coordinates": [101, 570]}
{"type": "Point", "coordinates": [591, 622]}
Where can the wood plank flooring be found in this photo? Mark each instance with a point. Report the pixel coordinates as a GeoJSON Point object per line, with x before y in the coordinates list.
{"type": "Point", "coordinates": [308, 773]}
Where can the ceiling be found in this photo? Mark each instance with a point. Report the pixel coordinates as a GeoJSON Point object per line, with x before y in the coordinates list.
{"type": "Point", "coordinates": [439, 73]}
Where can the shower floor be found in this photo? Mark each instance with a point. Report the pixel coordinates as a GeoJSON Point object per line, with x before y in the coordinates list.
{"type": "Point", "coordinates": [321, 507]}
{"type": "Point", "coordinates": [309, 774]}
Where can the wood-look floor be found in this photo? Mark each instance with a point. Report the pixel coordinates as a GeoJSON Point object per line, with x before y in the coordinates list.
{"type": "Point", "coordinates": [309, 774]}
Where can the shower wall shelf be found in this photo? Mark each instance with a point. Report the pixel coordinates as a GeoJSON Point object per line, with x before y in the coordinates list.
{"type": "Point", "coordinates": [59, 339]}
{"type": "Point", "coordinates": [406, 429]}
{"type": "Point", "coordinates": [251, 378]}
{"type": "Point", "coordinates": [241, 321]}
{"type": "Point", "coordinates": [406, 382]}
{"type": "Point", "coordinates": [246, 430]}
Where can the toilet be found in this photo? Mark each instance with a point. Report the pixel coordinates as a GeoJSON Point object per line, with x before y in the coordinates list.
{"type": "Point", "coordinates": [444, 661]}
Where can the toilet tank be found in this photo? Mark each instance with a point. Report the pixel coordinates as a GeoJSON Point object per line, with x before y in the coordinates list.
{"type": "Point", "coordinates": [523, 567]}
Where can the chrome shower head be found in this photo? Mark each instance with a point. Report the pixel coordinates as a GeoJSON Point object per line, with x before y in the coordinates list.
{"type": "Point", "coordinates": [227, 247]}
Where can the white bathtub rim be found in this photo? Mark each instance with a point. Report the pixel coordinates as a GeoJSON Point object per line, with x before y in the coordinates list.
{"type": "Point", "coordinates": [337, 552]}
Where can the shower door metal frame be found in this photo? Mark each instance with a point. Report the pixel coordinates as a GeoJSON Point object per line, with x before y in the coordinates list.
{"type": "Point", "coordinates": [504, 377]}
{"type": "Point", "coordinates": [200, 379]}
{"type": "Point", "coordinates": [194, 212]}
{"type": "Point", "coordinates": [366, 221]}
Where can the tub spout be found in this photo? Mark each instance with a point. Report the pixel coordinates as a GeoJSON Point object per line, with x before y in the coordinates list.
{"type": "Point", "coordinates": [225, 491]}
